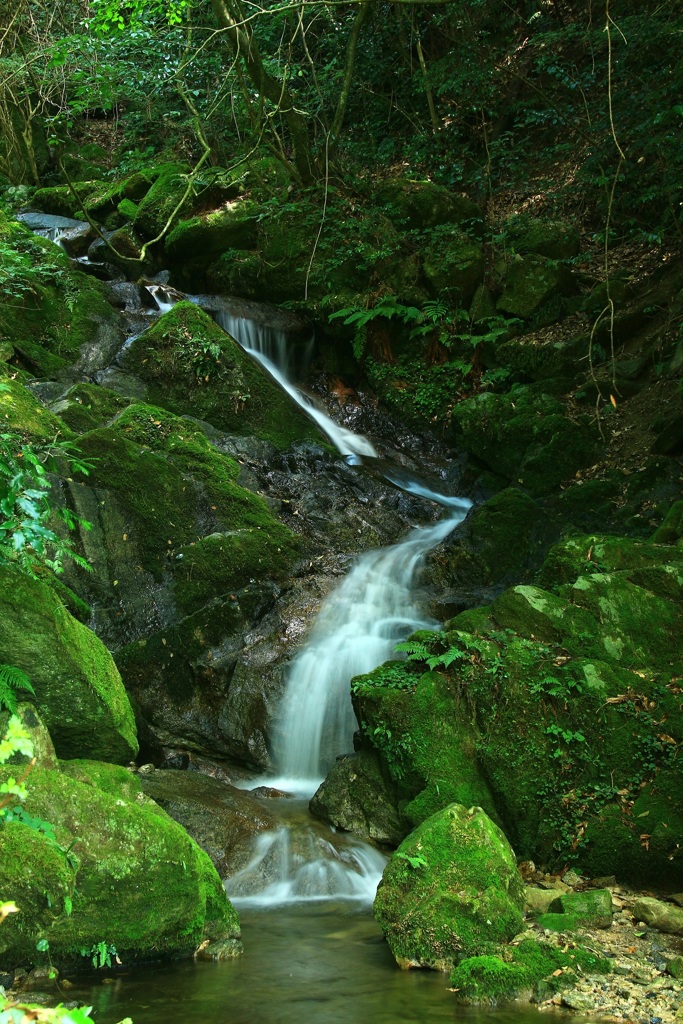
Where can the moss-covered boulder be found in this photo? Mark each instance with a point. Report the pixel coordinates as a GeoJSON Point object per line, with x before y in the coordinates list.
{"type": "Point", "coordinates": [527, 968]}
{"type": "Point", "coordinates": [404, 711]}
{"type": "Point", "coordinates": [163, 198]}
{"type": "Point", "coordinates": [567, 705]}
{"type": "Point", "coordinates": [524, 436]}
{"type": "Point", "coordinates": [22, 413]}
{"type": "Point", "coordinates": [424, 204]}
{"type": "Point", "coordinates": [453, 265]}
{"type": "Point", "coordinates": [554, 239]}
{"type": "Point", "coordinates": [451, 888]}
{"type": "Point", "coordinates": [592, 908]}
{"type": "Point", "coordinates": [206, 236]}
{"type": "Point", "coordinates": [87, 406]}
{"type": "Point", "coordinates": [529, 284]}
{"type": "Point", "coordinates": [54, 316]}
{"type": "Point", "coordinates": [118, 871]}
{"type": "Point", "coordinates": [78, 690]}
{"type": "Point", "coordinates": [501, 541]}
{"type": "Point", "coordinates": [193, 367]}
{"type": "Point", "coordinates": [171, 486]}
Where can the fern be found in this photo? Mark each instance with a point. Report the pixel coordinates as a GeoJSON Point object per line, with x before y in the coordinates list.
{"type": "Point", "coordinates": [11, 680]}
{"type": "Point", "coordinates": [414, 650]}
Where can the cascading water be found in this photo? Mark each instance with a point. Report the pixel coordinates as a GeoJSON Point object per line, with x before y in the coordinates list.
{"type": "Point", "coordinates": [269, 347]}
{"type": "Point", "coordinates": [357, 629]}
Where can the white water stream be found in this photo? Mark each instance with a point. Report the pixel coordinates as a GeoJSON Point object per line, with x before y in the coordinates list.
{"type": "Point", "coordinates": [356, 630]}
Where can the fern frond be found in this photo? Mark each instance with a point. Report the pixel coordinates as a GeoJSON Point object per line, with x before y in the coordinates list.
{"type": "Point", "coordinates": [11, 680]}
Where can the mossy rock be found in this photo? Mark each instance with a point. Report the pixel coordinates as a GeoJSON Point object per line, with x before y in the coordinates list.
{"type": "Point", "coordinates": [528, 967]}
{"type": "Point", "coordinates": [451, 887]}
{"type": "Point", "coordinates": [22, 413]}
{"type": "Point", "coordinates": [554, 239]}
{"type": "Point", "coordinates": [41, 741]}
{"type": "Point", "coordinates": [524, 437]}
{"type": "Point", "coordinates": [591, 909]}
{"type": "Point", "coordinates": [78, 690]}
{"type": "Point", "coordinates": [171, 484]}
{"type": "Point", "coordinates": [502, 540]}
{"type": "Point", "coordinates": [61, 201]}
{"type": "Point", "coordinates": [454, 266]}
{"type": "Point", "coordinates": [87, 406]}
{"type": "Point", "coordinates": [588, 554]}
{"type": "Point", "coordinates": [206, 236]}
{"type": "Point", "coordinates": [424, 204]}
{"type": "Point", "coordinates": [426, 746]}
{"type": "Point", "coordinates": [64, 319]}
{"type": "Point", "coordinates": [133, 878]}
{"type": "Point", "coordinates": [183, 348]}
{"type": "Point", "coordinates": [159, 202]}
{"type": "Point", "coordinates": [529, 284]}
{"type": "Point", "coordinates": [671, 530]}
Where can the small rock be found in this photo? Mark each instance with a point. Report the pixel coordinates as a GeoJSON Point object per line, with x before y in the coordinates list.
{"type": "Point", "coordinates": [225, 949]}
{"type": "Point", "coordinates": [572, 878]}
{"type": "Point", "coordinates": [578, 1001]}
{"type": "Point", "coordinates": [675, 967]}
{"type": "Point", "coordinates": [677, 897]}
{"type": "Point", "coordinates": [537, 901]}
{"type": "Point", "coordinates": [592, 908]}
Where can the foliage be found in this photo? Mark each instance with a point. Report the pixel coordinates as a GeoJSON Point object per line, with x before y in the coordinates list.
{"type": "Point", "coordinates": [27, 508]}
{"type": "Point", "coordinates": [101, 954]}
{"type": "Point", "coordinates": [15, 741]}
{"type": "Point", "coordinates": [11, 680]}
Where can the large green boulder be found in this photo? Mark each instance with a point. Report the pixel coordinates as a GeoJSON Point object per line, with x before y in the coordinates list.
{"type": "Point", "coordinates": [529, 284]}
{"type": "Point", "coordinates": [208, 235]}
{"type": "Point", "coordinates": [524, 436]}
{"type": "Point", "coordinates": [554, 239]}
{"type": "Point", "coordinates": [565, 705]}
{"type": "Point", "coordinates": [113, 868]}
{"type": "Point", "coordinates": [191, 366]}
{"type": "Point", "coordinates": [451, 888]}
{"type": "Point", "coordinates": [424, 204]}
{"type": "Point", "coordinates": [78, 690]}
{"type": "Point", "coordinates": [453, 265]}
{"type": "Point", "coordinates": [168, 195]}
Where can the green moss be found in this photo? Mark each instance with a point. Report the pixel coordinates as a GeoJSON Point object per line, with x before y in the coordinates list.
{"type": "Point", "coordinates": [165, 888]}
{"type": "Point", "coordinates": [516, 969]}
{"type": "Point", "coordinates": [161, 200]}
{"type": "Point", "coordinates": [110, 778]}
{"type": "Point", "coordinates": [592, 553]}
{"type": "Point", "coordinates": [454, 266]}
{"type": "Point", "coordinates": [191, 366]}
{"type": "Point", "coordinates": [78, 690]}
{"type": "Point", "coordinates": [87, 406]}
{"type": "Point", "coordinates": [451, 887]}
{"type": "Point", "coordinates": [671, 530]}
{"type": "Point", "coordinates": [21, 412]}
{"type": "Point", "coordinates": [208, 235]}
{"type": "Point", "coordinates": [61, 201]}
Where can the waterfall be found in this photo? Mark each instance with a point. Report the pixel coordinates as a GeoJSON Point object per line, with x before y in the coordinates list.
{"type": "Point", "coordinates": [269, 347]}
{"type": "Point", "coordinates": [356, 630]}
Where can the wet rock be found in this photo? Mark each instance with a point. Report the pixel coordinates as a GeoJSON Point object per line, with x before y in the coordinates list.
{"type": "Point", "coordinates": [663, 916]}
{"type": "Point", "coordinates": [582, 1002]}
{"type": "Point", "coordinates": [356, 796]}
{"type": "Point", "coordinates": [223, 820]}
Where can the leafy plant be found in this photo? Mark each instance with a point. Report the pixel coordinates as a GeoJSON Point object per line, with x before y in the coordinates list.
{"type": "Point", "coordinates": [27, 508]}
{"type": "Point", "coordinates": [415, 862]}
{"type": "Point", "coordinates": [11, 680]}
{"type": "Point", "coordinates": [102, 954]}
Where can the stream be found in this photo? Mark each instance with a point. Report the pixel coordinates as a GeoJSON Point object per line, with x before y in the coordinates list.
{"type": "Point", "coordinates": [312, 951]}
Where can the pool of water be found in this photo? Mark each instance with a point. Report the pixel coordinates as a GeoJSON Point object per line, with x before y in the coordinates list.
{"type": "Point", "coordinates": [308, 964]}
